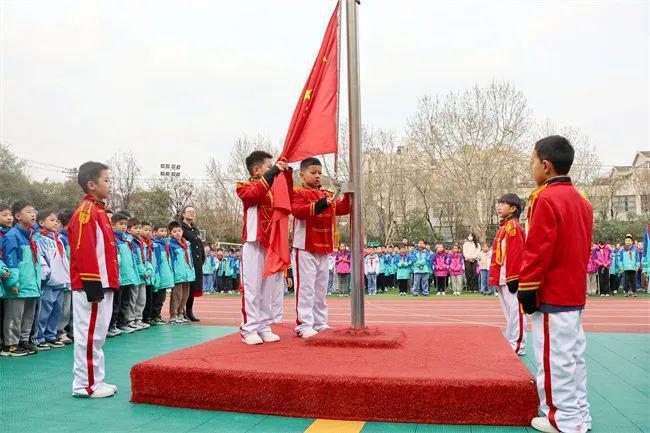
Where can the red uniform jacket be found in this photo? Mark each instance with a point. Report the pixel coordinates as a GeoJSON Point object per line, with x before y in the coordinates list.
{"type": "Point", "coordinates": [313, 231]}
{"type": "Point", "coordinates": [93, 254]}
{"type": "Point", "coordinates": [558, 246]}
{"type": "Point", "coordinates": [258, 209]}
{"type": "Point", "coordinates": [507, 251]}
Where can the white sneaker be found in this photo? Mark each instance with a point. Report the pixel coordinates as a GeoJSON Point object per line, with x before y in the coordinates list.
{"type": "Point", "coordinates": [142, 325]}
{"type": "Point", "coordinates": [252, 339]}
{"type": "Point", "coordinates": [110, 385]}
{"type": "Point", "coordinates": [321, 328]}
{"type": "Point", "coordinates": [268, 337]}
{"type": "Point", "coordinates": [307, 333]}
{"type": "Point", "coordinates": [543, 424]}
{"type": "Point", "coordinates": [587, 426]}
{"type": "Point", "coordinates": [444, 293]}
{"type": "Point", "coordinates": [102, 391]}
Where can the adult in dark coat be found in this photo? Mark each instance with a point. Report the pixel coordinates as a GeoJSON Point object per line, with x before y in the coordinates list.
{"type": "Point", "coordinates": [193, 237]}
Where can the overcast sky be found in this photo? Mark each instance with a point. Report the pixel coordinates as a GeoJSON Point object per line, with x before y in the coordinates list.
{"type": "Point", "coordinates": [179, 81]}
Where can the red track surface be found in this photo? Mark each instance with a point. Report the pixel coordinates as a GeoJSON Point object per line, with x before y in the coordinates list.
{"type": "Point", "coordinates": [601, 315]}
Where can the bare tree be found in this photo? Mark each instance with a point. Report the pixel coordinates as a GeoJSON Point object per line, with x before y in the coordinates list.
{"type": "Point", "coordinates": [124, 174]}
{"type": "Point", "coordinates": [475, 140]}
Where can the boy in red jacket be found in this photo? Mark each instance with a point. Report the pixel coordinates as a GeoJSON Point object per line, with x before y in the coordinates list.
{"type": "Point", "coordinates": [552, 283]}
{"type": "Point", "coordinates": [94, 275]}
{"type": "Point", "coordinates": [257, 295]}
{"type": "Point", "coordinates": [508, 247]}
{"type": "Point", "coordinates": [314, 224]}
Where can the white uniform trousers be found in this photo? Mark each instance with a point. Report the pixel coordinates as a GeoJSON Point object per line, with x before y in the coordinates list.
{"type": "Point", "coordinates": [91, 322]}
{"type": "Point", "coordinates": [560, 344]}
{"type": "Point", "coordinates": [277, 302]}
{"type": "Point", "coordinates": [515, 320]}
{"type": "Point", "coordinates": [311, 272]}
{"type": "Point", "coordinates": [258, 292]}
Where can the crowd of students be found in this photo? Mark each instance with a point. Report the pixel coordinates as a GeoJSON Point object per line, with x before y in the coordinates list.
{"type": "Point", "coordinates": [419, 268]}
{"type": "Point", "coordinates": [221, 269]}
{"type": "Point", "coordinates": [35, 284]}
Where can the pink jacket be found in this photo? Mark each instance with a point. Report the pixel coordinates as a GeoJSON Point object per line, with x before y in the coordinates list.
{"type": "Point", "coordinates": [440, 264]}
{"type": "Point", "coordinates": [603, 256]}
{"type": "Point", "coordinates": [456, 262]}
{"type": "Point", "coordinates": [592, 264]}
{"type": "Point", "coordinates": [343, 262]}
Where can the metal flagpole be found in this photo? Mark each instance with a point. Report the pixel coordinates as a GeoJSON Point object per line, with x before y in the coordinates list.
{"type": "Point", "coordinates": [355, 170]}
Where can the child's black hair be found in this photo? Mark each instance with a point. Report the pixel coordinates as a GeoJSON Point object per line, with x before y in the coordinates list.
{"type": "Point", "coordinates": [133, 222]}
{"type": "Point", "coordinates": [65, 216]}
{"type": "Point", "coordinates": [4, 207]}
{"type": "Point", "coordinates": [512, 200]}
{"type": "Point", "coordinates": [117, 217]}
{"type": "Point", "coordinates": [146, 223]}
{"type": "Point", "coordinates": [43, 214]}
{"type": "Point", "coordinates": [255, 158]}
{"type": "Point", "coordinates": [306, 163]}
{"type": "Point", "coordinates": [558, 151]}
{"type": "Point", "coordinates": [159, 225]}
{"type": "Point", "coordinates": [89, 171]}
{"type": "Point", "coordinates": [172, 225]}
{"type": "Point", "coordinates": [19, 206]}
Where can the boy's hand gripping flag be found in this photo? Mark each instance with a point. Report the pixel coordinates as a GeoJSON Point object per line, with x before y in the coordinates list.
{"type": "Point", "coordinates": [313, 131]}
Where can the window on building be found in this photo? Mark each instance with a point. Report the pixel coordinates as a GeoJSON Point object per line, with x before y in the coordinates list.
{"type": "Point", "coordinates": [645, 203]}
{"type": "Point", "coordinates": [625, 203]}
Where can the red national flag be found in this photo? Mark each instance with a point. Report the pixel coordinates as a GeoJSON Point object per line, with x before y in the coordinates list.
{"type": "Point", "coordinates": [313, 131]}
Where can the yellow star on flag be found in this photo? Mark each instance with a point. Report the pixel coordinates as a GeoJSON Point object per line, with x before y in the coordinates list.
{"type": "Point", "coordinates": [324, 58]}
{"type": "Point", "coordinates": [307, 94]}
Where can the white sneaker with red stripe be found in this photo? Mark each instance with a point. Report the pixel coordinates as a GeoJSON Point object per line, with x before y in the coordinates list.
{"type": "Point", "coordinates": [110, 385]}
{"type": "Point", "coordinates": [321, 328]}
{"type": "Point", "coordinates": [544, 425]}
{"type": "Point", "coordinates": [252, 339]}
{"type": "Point", "coordinates": [269, 337]}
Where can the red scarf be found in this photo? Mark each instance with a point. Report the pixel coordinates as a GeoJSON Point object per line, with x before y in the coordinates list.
{"type": "Point", "coordinates": [59, 244]}
{"type": "Point", "coordinates": [183, 244]}
{"type": "Point", "coordinates": [149, 244]}
{"type": "Point", "coordinates": [32, 244]}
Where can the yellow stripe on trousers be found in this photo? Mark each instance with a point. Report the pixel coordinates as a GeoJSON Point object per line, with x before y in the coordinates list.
{"type": "Point", "coordinates": [335, 426]}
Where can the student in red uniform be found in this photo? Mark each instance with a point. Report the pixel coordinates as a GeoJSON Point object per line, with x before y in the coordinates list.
{"type": "Point", "coordinates": [552, 284]}
{"type": "Point", "coordinates": [314, 212]}
{"type": "Point", "coordinates": [508, 247]}
{"type": "Point", "coordinates": [94, 275]}
{"type": "Point", "coordinates": [258, 208]}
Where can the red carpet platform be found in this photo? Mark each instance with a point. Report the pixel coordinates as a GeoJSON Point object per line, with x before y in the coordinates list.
{"type": "Point", "coordinates": [441, 375]}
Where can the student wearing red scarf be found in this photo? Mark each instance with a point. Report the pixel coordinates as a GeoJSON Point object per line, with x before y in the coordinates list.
{"type": "Point", "coordinates": [183, 267]}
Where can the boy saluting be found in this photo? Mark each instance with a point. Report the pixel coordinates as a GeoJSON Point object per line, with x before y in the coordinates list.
{"type": "Point", "coordinates": [552, 283]}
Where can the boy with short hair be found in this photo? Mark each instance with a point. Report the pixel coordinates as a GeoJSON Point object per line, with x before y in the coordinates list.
{"type": "Point", "coordinates": [55, 276]}
{"type": "Point", "coordinates": [94, 276]}
{"type": "Point", "coordinates": [149, 263]}
{"type": "Point", "coordinates": [508, 248]}
{"type": "Point", "coordinates": [64, 327]}
{"type": "Point", "coordinates": [314, 228]}
{"type": "Point", "coordinates": [371, 268]}
{"type": "Point", "coordinates": [629, 262]}
{"type": "Point", "coordinates": [183, 267]}
{"type": "Point", "coordinates": [164, 274]}
{"type": "Point", "coordinates": [21, 256]}
{"type": "Point", "coordinates": [127, 276]}
{"type": "Point", "coordinates": [484, 260]}
{"type": "Point", "coordinates": [138, 296]}
{"type": "Point", "coordinates": [552, 283]}
{"type": "Point", "coordinates": [421, 262]}
{"type": "Point", "coordinates": [257, 199]}
{"type": "Point", "coordinates": [208, 269]}
{"type": "Point", "coordinates": [6, 219]}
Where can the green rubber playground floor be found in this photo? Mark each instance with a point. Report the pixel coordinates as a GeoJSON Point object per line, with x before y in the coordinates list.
{"type": "Point", "coordinates": [35, 394]}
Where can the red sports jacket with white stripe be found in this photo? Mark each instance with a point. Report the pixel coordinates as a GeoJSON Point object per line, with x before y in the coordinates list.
{"type": "Point", "coordinates": [507, 251]}
{"type": "Point", "coordinates": [558, 246]}
{"type": "Point", "coordinates": [93, 253]}
{"type": "Point", "coordinates": [314, 222]}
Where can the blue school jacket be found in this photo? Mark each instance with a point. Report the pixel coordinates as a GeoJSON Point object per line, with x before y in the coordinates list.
{"type": "Point", "coordinates": [22, 259]}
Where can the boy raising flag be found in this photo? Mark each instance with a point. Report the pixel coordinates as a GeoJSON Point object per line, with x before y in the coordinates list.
{"type": "Point", "coordinates": [314, 212]}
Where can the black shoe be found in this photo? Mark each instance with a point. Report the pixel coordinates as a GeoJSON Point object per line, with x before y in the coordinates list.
{"type": "Point", "coordinates": [13, 351]}
{"type": "Point", "coordinates": [192, 317]}
{"type": "Point", "coordinates": [29, 347]}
